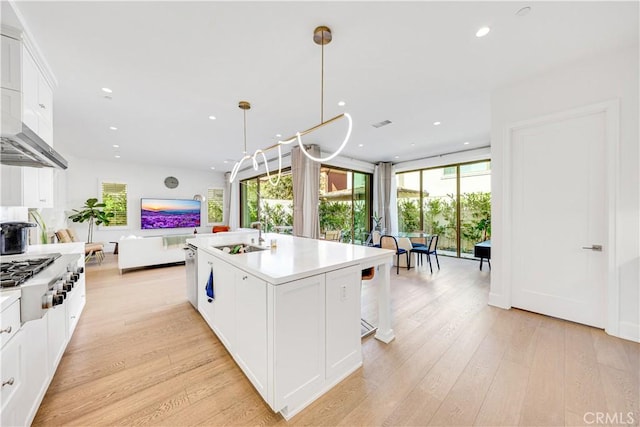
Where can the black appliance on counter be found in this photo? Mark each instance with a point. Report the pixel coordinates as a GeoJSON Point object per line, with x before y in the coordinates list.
{"type": "Point", "coordinates": [15, 237]}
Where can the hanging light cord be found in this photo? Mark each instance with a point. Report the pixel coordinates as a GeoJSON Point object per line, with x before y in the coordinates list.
{"type": "Point", "coordinates": [245, 131]}
{"type": "Point", "coordinates": [322, 82]}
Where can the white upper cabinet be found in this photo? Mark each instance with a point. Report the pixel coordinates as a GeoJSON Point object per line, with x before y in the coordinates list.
{"type": "Point", "coordinates": [37, 99]}
{"type": "Point", "coordinates": [27, 95]}
{"type": "Point", "coordinates": [30, 187]}
{"type": "Point", "coordinates": [11, 49]}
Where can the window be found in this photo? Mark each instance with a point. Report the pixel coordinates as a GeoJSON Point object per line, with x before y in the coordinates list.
{"type": "Point", "coordinates": [215, 203]}
{"type": "Point", "coordinates": [453, 202]}
{"type": "Point", "coordinates": [114, 196]}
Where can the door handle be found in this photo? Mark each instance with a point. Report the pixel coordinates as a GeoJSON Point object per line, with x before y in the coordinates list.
{"type": "Point", "coordinates": [593, 248]}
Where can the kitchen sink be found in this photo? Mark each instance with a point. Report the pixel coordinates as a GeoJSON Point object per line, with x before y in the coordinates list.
{"type": "Point", "coordinates": [239, 248]}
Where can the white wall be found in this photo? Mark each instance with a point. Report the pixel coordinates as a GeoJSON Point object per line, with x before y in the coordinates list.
{"type": "Point", "coordinates": [83, 180]}
{"type": "Point", "coordinates": [593, 80]}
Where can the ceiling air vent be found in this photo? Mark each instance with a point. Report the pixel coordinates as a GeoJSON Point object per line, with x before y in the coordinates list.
{"type": "Point", "coordinates": [380, 124]}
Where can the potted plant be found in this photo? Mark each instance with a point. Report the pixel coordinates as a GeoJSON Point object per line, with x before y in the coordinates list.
{"type": "Point", "coordinates": [37, 218]}
{"type": "Point", "coordinates": [93, 212]}
{"type": "Point", "coordinates": [377, 221]}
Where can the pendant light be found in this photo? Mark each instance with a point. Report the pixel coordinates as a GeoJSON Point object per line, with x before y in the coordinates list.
{"type": "Point", "coordinates": [321, 36]}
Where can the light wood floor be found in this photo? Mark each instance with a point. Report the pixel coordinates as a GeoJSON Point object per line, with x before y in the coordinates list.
{"type": "Point", "coordinates": [142, 355]}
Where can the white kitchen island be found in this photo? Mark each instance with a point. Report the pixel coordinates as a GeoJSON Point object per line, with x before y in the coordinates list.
{"type": "Point", "coordinates": [290, 316]}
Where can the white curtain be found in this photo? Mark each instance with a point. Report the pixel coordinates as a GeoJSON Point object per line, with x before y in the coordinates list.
{"type": "Point", "coordinates": [231, 202]}
{"type": "Point", "coordinates": [306, 192]}
{"type": "Point", "coordinates": [385, 197]}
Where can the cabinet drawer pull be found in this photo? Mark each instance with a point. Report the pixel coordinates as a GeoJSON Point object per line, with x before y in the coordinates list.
{"type": "Point", "coordinates": [8, 382]}
{"type": "Point", "coordinates": [7, 330]}
{"type": "Point", "coordinates": [42, 106]}
{"type": "Point", "coordinates": [73, 317]}
{"type": "Point", "coordinates": [244, 277]}
{"type": "Point", "coordinates": [209, 262]}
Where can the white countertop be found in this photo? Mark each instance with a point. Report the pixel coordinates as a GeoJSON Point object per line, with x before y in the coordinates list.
{"type": "Point", "coordinates": [61, 248]}
{"type": "Point", "coordinates": [295, 257]}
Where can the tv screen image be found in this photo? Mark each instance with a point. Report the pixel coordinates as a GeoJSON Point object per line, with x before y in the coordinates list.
{"type": "Point", "coordinates": [169, 213]}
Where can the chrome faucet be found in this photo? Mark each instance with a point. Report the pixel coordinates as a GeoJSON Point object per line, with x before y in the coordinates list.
{"type": "Point", "coordinates": [258, 225]}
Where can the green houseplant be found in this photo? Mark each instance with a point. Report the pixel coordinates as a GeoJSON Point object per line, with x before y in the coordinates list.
{"type": "Point", "coordinates": [93, 212]}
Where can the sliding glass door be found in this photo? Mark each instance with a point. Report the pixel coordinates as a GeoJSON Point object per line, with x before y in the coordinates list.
{"type": "Point", "coordinates": [345, 203]}
{"type": "Point", "coordinates": [428, 200]}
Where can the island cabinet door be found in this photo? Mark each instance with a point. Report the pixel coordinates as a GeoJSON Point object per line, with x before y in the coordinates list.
{"type": "Point", "coordinates": [299, 335]}
{"type": "Point", "coordinates": [224, 311]}
{"type": "Point", "coordinates": [251, 330]}
{"type": "Point", "coordinates": [344, 348]}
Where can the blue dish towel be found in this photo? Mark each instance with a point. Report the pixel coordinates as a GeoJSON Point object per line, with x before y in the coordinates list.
{"type": "Point", "coordinates": [209, 287]}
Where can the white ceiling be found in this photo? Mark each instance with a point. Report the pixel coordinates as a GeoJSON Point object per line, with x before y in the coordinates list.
{"type": "Point", "coordinates": [172, 64]}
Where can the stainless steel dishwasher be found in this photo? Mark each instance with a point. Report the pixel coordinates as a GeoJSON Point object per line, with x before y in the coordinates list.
{"type": "Point", "coordinates": [191, 267]}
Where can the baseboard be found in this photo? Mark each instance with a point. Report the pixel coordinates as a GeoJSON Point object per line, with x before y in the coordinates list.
{"type": "Point", "coordinates": [629, 331]}
{"type": "Point", "coordinates": [498, 300]}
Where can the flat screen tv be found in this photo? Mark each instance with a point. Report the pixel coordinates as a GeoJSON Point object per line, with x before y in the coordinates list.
{"type": "Point", "coordinates": [169, 213]}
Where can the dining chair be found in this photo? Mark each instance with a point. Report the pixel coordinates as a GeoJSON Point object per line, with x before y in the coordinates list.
{"type": "Point", "coordinates": [390, 242]}
{"type": "Point", "coordinates": [375, 238]}
{"type": "Point", "coordinates": [428, 251]}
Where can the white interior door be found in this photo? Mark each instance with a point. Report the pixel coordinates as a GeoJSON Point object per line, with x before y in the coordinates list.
{"type": "Point", "coordinates": [559, 209]}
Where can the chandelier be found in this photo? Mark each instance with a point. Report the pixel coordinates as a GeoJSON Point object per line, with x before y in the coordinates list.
{"type": "Point", "coordinates": [321, 36]}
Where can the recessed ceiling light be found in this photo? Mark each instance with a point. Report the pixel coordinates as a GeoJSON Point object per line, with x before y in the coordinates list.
{"type": "Point", "coordinates": [342, 103]}
{"type": "Point", "coordinates": [116, 146]}
{"type": "Point", "coordinates": [466, 143]}
{"type": "Point", "coordinates": [226, 161]}
{"type": "Point", "coordinates": [117, 156]}
{"type": "Point", "coordinates": [397, 157]}
{"type": "Point", "coordinates": [212, 117]}
{"type": "Point", "coordinates": [413, 144]}
{"type": "Point", "coordinates": [483, 31]}
{"type": "Point", "coordinates": [113, 128]}
{"type": "Point", "coordinates": [107, 90]}
{"type": "Point", "coordinates": [360, 145]}
{"type": "Point", "coordinates": [436, 123]}
{"type": "Point", "coordinates": [213, 167]}
{"type": "Point", "coordinates": [524, 11]}
{"type": "Point", "coordinates": [278, 135]}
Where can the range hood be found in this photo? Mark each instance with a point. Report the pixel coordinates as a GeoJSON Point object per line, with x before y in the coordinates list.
{"type": "Point", "coordinates": [26, 148]}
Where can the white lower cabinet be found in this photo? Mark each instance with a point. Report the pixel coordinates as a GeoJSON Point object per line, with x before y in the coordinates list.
{"type": "Point", "coordinates": [57, 330]}
{"type": "Point", "coordinates": [37, 374]}
{"type": "Point", "coordinates": [250, 350]}
{"type": "Point", "coordinates": [299, 333]}
{"type": "Point", "coordinates": [12, 378]}
{"type": "Point", "coordinates": [225, 278]}
{"type": "Point", "coordinates": [75, 305]}
{"type": "Point", "coordinates": [342, 299]}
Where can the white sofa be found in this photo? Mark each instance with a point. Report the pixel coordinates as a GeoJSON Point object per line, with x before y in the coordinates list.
{"type": "Point", "coordinates": [148, 251]}
{"type": "Point", "coordinates": [135, 252]}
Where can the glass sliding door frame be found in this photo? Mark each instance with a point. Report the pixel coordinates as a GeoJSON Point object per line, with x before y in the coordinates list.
{"type": "Point", "coordinates": [457, 199]}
